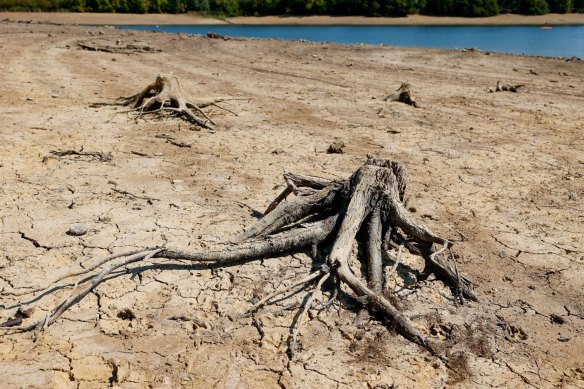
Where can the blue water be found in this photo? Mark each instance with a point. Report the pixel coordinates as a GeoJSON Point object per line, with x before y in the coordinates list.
{"type": "Point", "coordinates": [566, 41]}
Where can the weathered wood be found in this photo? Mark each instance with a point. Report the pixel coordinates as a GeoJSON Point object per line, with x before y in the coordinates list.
{"type": "Point", "coordinates": [371, 199]}
{"type": "Point", "coordinates": [374, 258]}
{"type": "Point", "coordinates": [292, 211]}
{"type": "Point", "coordinates": [403, 94]}
{"type": "Point", "coordinates": [166, 95]}
{"type": "Point", "coordinates": [504, 87]}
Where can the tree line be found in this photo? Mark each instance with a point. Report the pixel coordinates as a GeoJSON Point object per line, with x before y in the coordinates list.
{"type": "Point", "coordinates": [468, 8]}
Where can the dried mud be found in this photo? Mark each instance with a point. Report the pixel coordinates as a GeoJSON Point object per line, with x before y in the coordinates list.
{"type": "Point", "coordinates": [504, 170]}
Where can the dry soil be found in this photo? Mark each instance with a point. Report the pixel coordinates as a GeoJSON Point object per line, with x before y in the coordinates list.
{"type": "Point", "coordinates": [500, 173]}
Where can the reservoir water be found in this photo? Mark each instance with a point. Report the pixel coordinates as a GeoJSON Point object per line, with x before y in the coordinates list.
{"type": "Point", "coordinates": [559, 41]}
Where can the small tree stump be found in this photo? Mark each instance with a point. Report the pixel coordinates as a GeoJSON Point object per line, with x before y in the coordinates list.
{"type": "Point", "coordinates": [501, 87]}
{"type": "Point", "coordinates": [403, 94]}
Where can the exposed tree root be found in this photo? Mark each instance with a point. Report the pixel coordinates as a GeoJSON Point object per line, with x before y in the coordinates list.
{"type": "Point", "coordinates": [323, 213]}
{"type": "Point", "coordinates": [166, 95]}
{"type": "Point", "coordinates": [403, 94]}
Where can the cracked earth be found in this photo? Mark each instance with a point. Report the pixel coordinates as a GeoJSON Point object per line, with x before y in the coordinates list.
{"type": "Point", "coordinates": [500, 173]}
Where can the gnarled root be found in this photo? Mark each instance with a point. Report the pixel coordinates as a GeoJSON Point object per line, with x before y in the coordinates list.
{"type": "Point", "coordinates": [166, 95]}
{"type": "Point", "coordinates": [324, 212]}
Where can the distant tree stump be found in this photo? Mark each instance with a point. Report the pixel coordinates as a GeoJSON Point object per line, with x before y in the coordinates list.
{"type": "Point", "coordinates": [501, 87]}
{"type": "Point", "coordinates": [166, 95]}
{"type": "Point", "coordinates": [403, 94]}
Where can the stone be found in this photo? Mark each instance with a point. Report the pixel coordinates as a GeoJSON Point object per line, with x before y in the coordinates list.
{"type": "Point", "coordinates": [77, 229]}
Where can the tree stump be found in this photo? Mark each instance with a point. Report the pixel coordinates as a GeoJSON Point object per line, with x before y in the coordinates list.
{"type": "Point", "coordinates": [403, 94]}
{"type": "Point", "coordinates": [166, 95]}
{"type": "Point", "coordinates": [501, 87]}
{"type": "Point", "coordinates": [324, 213]}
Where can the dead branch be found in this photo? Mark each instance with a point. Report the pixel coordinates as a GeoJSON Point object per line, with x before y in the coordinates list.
{"type": "Point", "coordinates": [324, 213]}
{"type": "Point", "coordinates": [118, 46]}
{"type": "Point", "coordinates": [305, 308]}
{"type": "Point", "coordinates": [173, 141]}
{"type": "Point", "coordinates": [99, 155]}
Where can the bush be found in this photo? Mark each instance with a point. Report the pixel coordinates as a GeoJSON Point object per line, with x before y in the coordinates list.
{"type": "Point", "coordinates": [533, 7]}
{"type": "Point", "coordinates": [560, 6]}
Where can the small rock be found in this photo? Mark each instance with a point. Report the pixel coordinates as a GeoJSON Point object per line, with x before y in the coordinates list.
{"type": "Point", "coordinates": [336, 148]}
{"type": "Point", "coordinates": [77, 230]}
{"type": "Point", "coordinates": [557, 319]}
{"type": "Point", "coordinates": [563, 338]}
{"type": "Point", "coordinates": [126, 314]}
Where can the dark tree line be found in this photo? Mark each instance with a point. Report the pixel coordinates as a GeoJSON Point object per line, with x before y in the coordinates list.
{"type": "Point", "coordinates": [304, 7]}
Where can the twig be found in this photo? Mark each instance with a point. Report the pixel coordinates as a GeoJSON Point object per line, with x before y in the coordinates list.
{"type": "Point", "coordinates": [74, 274]}
{"type": "Point", "coordinates": [395, 264]}
{"type": "Point", "coordinates": [73, 298]}
{"type": "Point", "coordinates": [296, 331]}
{"type": "Point", "coordinates": [126, 193]}
{"type": "Point", "coordinates": [304, 280]}
{"type": "Point", "coordinates": [225, 109]}
{"type": "Point", "coordinates": [459, 286]}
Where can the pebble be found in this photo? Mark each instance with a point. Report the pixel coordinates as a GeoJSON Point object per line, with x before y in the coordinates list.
{"type": "Point", "coordinates": [77, 230]}
{"type": "Point", "coordinates": [563, 338]}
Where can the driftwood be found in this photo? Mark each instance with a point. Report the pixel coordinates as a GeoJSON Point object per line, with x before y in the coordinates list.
{"type": "Point", "coordinates": [403, 94]}
{"type": "Point", "coordinates": [119, 47]}
{"type": "Point", "coordinates": [324, 213]}
{"type": "Point", "coordinates": [98, 155]}
{"type": "Point", "coordinates": [501, 87]}
{"type": "Point", "coordinates": [214, 35]}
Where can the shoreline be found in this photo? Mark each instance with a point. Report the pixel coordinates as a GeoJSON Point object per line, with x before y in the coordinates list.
{"type": "Point", "coordinates": [194, 19]}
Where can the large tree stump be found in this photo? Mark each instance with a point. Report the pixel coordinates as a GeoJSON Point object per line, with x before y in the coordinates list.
{"type": "Point", "coordinates": [323, 213]}
{"type": "Point", "coordinates": [166, 95]}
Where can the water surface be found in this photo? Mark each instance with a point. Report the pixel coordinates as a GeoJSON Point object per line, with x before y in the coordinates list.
{"type": "Point", "coordinates": [566, 41]}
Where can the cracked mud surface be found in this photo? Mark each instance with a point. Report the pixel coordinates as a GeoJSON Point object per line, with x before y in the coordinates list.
{"type": "Point", "coordinates": [504, 170]}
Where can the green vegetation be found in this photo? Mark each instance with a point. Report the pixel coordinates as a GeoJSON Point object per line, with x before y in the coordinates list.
{"type": "Point", "coordinates": [471, 8]}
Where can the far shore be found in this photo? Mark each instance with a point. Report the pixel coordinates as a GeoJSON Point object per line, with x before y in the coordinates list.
{"type": "Point", "coordinates": [182, 19]}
